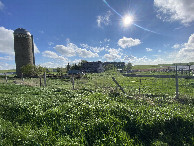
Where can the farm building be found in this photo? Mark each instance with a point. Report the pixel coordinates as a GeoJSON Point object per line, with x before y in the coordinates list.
{"type": "Point", "coordinates": [24, 49]}
{"type": "Point", "coordinates": [183, 67]}
{"type": "Point", "coordinates": [92, 67]}
{"type": "Point", "coordinates": [74, 72]}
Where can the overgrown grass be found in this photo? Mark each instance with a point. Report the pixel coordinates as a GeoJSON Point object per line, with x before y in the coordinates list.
{"type": "Point", "coordinates": [95, 113]}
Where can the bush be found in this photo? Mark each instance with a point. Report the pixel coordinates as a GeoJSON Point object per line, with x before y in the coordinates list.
{"type": "Point", "coordinates": [30, 70]}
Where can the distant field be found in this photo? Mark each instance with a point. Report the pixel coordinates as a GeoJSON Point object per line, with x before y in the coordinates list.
{"type": "Point", "coordinates": [6, 71]}
{"type": "Point", "coordinates": [158, 66]}
{"type": "Point", "coordinates": [147, 66]}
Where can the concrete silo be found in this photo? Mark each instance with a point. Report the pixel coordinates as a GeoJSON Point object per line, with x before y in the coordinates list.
{"type": "Point", "coordinates": [24, 49]}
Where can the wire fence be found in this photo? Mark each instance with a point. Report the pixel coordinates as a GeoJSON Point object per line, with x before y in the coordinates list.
{"type": "Point", "coordinates": [132, 86]}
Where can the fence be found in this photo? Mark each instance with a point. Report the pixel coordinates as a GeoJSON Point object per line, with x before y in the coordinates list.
{"type": "Point", "coordinates": [133, 85]}
{"type": "Point", "coordinates": [175, 77]}
{"type": "Point", "coordinates": [151, 86]}
{"type": "Point", "coordinates": [140, 85]}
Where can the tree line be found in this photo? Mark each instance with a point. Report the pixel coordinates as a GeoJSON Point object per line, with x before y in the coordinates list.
{"type": "Point", "coordinates": [30, 70]}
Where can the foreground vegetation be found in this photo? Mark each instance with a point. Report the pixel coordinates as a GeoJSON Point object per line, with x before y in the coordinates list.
{"type": "Point", "coordinates": [96, 112]}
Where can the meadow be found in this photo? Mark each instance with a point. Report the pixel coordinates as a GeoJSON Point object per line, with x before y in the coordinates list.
{"type": "Point", "coordinates": [96, 112]}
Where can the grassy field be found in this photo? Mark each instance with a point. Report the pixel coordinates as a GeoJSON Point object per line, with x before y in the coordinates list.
{"type": "Point", "coordinates": [7, 71]}
{"type": "Point", "coordinates": [96, 112]}
{"type": "Point", "coordinates": [159, 65]}
{"type": "Point", "coordinates": [150, 66]}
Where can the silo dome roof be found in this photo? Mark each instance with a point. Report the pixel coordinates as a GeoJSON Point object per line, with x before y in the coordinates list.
{"type": "Point", "coordinates": [22, 31]}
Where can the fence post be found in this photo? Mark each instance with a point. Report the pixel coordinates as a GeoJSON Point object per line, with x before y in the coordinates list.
{"type": "Point", "coordinates": [40, 80]}
{"type": "Point", "coordinates": [45, 79]}
{"type": "Point", "coordinates": [177, 84]}
{"type": "Point", "coordinates": [73, 81]}
{"type": "Point", "coordinates": [189, 69]}
{"type": "Point", "coordinates": [118, 85]}
{"type": "Point", "coordinates": [6, 77]}
{"type": "Point", "coordinates": [139, 86]}
{"type": "Point", "coordinates": [22, 77]}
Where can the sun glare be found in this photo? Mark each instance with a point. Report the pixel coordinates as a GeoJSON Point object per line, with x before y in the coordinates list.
{"type": "Point", "coordinates": [127, 20]}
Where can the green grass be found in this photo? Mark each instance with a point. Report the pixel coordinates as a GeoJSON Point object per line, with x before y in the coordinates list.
{"type": "Point", "coordinates": [7, 71]}
{"type": "Point", "coordinates": [159, 65]}
{"type": "Point", "coordinates": [145, 66]}
{"type": "Point", "coordinates": [95, 113]}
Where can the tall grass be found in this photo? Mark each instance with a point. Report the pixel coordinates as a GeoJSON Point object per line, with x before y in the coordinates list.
{"type": "Point", "coordinates": [95, 113]}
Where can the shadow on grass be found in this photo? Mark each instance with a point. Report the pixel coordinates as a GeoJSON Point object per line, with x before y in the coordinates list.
{"type": "Point", "coordinates": [15, 113]}
{"type": "Point", "coordinates": [176, 131]}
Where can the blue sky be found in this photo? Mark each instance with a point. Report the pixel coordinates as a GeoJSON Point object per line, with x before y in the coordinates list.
{"type": "Point", "coordinates": [72, 30]}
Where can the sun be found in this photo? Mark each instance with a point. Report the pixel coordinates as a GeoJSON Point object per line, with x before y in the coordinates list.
{"type": "Point", "coordinates": [127, 20]}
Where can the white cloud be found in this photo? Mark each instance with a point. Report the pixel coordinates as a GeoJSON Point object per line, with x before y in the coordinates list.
{"type": "Point", "coordinates": [48, 65]}
{"type": "Point", "coordinates": [106, 40]}
{"type": "Point", "coordinates": [53, 55]}
{"type": "Point", "coordinates": [148, 49]}
{"type": "Point", "coordinates": [175, 10]}
{"type": "Point", "coordinates": [95, 49]}
{"type": "Point", "coordinates": [6, 66]}
{"type": "Point", "coordinates": [114, 54]}
{"type": "Point", "coordinates": [50, 43]}
{"type": "Point", "coordinates": [186, 54]}
{"type": "Point", "coordinates": [104, 20]}
{"type": "Point", "coordinates": [7, 42]}
{"type": "Point", "coordinates": [86, 46]}
{"type": "Point", "coordinates": [76, 61]}
{"type": "Point", "coordinates": [1, 5]}
{"type": "Point", "coordinates": [50, 54]}
{"type": "Point", "coordinates": [69, 50]}
{"type": "Point", "coordinates": [86, 54]}
{"type": "Point", "coordinates": [7, 58]}
{"type": "Point", "coordinates": [135, 60]}
{"type": "Point", "coordinates": [53, 64]}
{"type": "Point", "coordinates": [72, 50]}
{"type": "Point", "coordinates": [128, 42]}
{"type": "Point", "coordinates": [145, 60]}
{"type": "Point", "coordinates": [176, 46]}
{"type": "Point", "coordinates": [36, 49]}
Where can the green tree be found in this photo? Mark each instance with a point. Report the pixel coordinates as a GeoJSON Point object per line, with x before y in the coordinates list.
{"type": "Point", "coordinates": [82, 61]}
{"type": "Point", "coordinates": [68, 67]}
{"type": "Point", "coordinates": [75, 67]}
{"type": "Point", "coordinates": [30, 70]}
{"type": "Point", "coordinates": [39, 70]}
{"type": "Point", "coordinates": [59, 70]}
{"type": "Point", "coordinates": [109, 67]}
{"type": "Point", "coordinates": [128, 66]}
